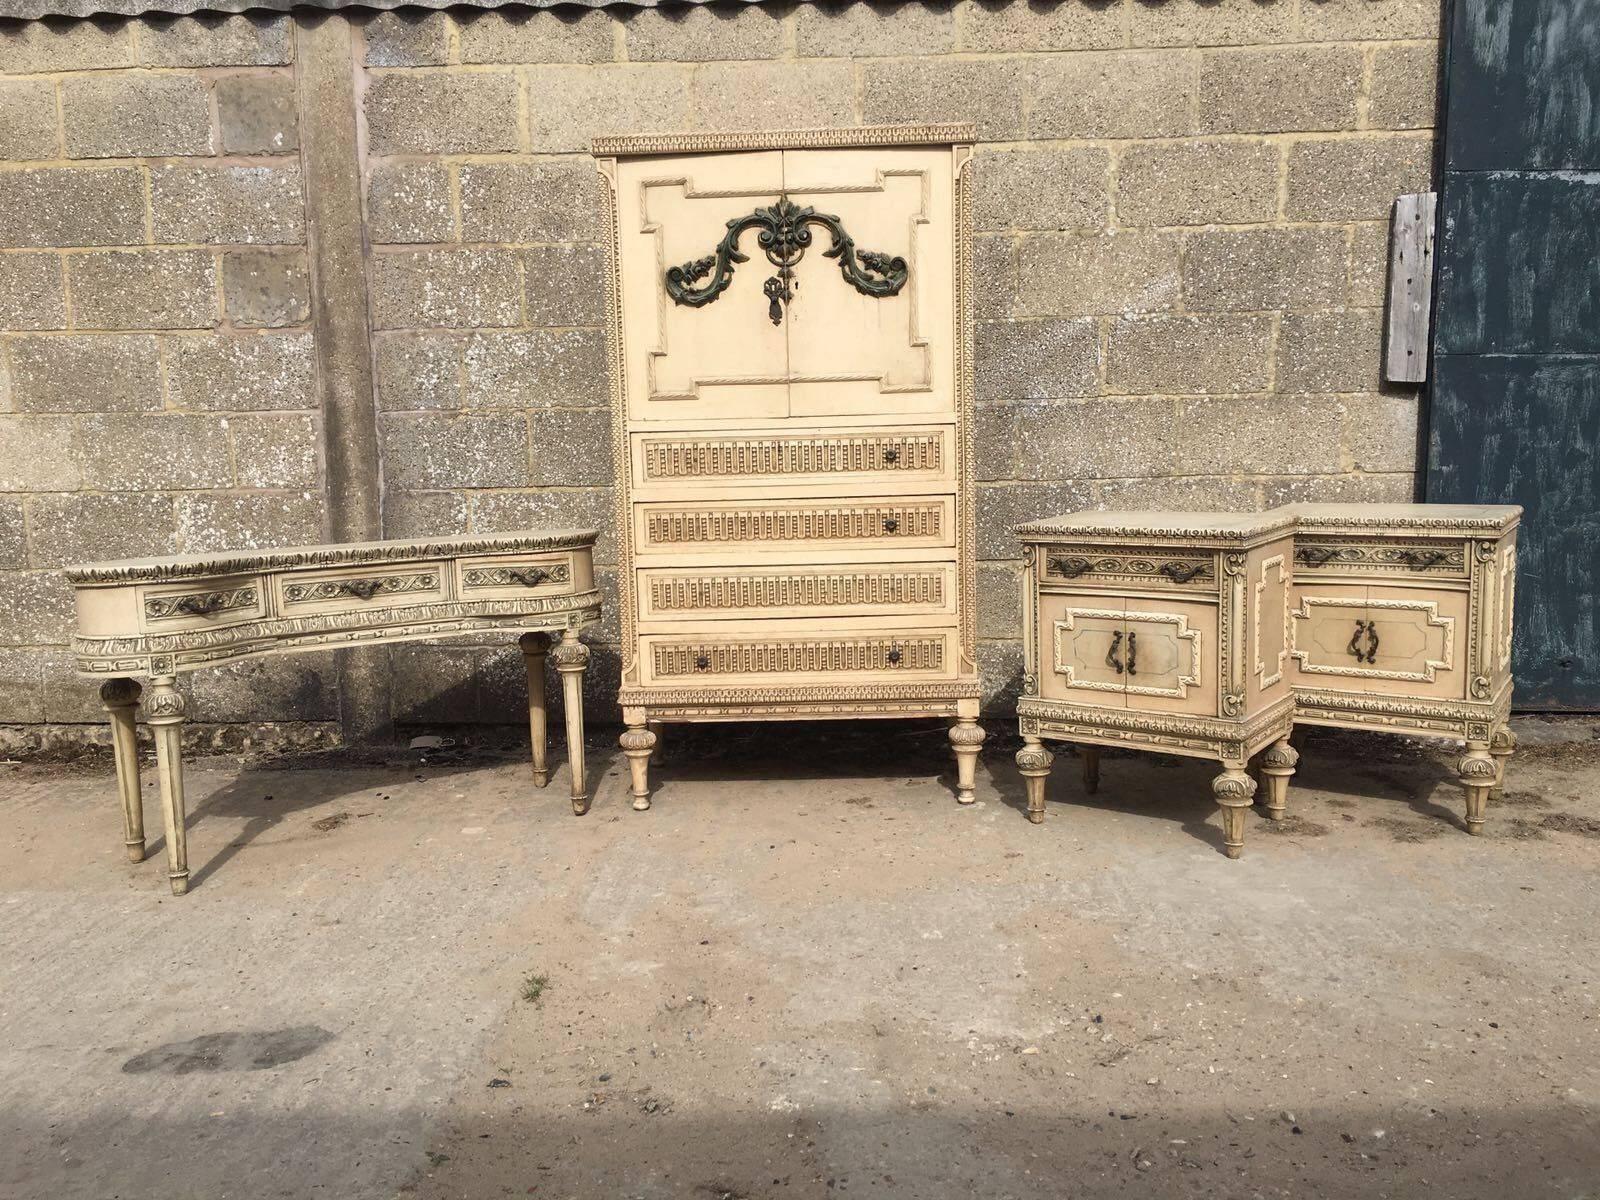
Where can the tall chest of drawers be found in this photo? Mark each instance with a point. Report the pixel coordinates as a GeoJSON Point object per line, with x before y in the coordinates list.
{"type": "Point", "coordinates": [791, 339]}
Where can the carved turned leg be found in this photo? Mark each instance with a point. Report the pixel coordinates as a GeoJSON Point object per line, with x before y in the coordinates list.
{"type": "Point", "coordinates": [1501, 747]}
{"type": "Point", "coordinates": [163, 710]}
{"type": "Point", "coordinates": [121, 700]}
{"type": "Point", "coordinates": [1091, 768]}
{"type": "Point", "coordinates": [966, 735]}
{"type": "Point", "coordinates": [637, 742]}
{"type": "Point", "coordinates": [1277, 766]}
{"type": "Point", "coordinates": [534, 647]}
{"type": "Point", "coordinates": [1478, 775]}
{"type": "Point", "coordinates": [571, 658]}
{"type": "Point", "coordinates": [1034, 760]}
{"type": "Point", "coordinates": [1233, 790]}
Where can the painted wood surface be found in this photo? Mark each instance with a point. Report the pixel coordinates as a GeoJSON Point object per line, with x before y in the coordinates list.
{"type": "Point", "coordinates": [1410, 287]}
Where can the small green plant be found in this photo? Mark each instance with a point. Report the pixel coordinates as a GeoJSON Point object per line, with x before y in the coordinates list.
{"type": "Point", "coordinates": [533, 989]}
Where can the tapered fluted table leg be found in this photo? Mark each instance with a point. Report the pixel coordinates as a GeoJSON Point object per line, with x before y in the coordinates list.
{"type": "Point", "coordinates": [534, 647]}
{"type": "Point", "coordinates": [571, 658]}
{"type": "Point", "coordinates": [966, 736]}
{"type": "Point", "coordinates": [121, 700]}
{"type": "Point", "coordinates": [1233, 790]}
{"type": "Point", "coordinates": [1277, 767]}
{"type": "Point", "coordinates": [164, 709]}
{"type": "Point", "coordinates": [1034, 760]}
{"type": "Point", "coordinates": [1478, 775]}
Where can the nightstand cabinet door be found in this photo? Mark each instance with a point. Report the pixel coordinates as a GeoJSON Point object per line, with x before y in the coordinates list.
{"type": "Point", "coordinates": [1170, 656]}
{"type": "Point", "coordinates": [1083, 639]}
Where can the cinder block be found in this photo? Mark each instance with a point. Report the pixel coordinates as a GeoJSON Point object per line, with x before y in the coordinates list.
{"type": "Point", "coordinates": [29, 130]}
{"type": "Point", "coordinates": [13, 546]}
{"type": "Point", "coordinates": [999, 601]}
{"type": "Point", "coordinates": [1118, 437]}
{"type": "Point", "coordinates": [1011, 26]}
{"type": "Point", "coordinates": [410, 202]}
{"type": "Point", "coordinates": [1252, 435]}
{"type": "Point", "coordinates": [21, 685]}
{"type": "Point", "coordinates": [1000, 674]}
{"type": "Point", "coordinates": [1249, 270]}
{"type": "Point", "coordinates": [1114, 94]}
{"type": "Point", "coordinates": [135, 114]}
{"type": "Point", "coordinates": [1037, 360]}
{"type": "Point", "coordinates": [37, 47]}
{"type": "Point", "coordinates": [1383, 433]}
{"type": "Point", "coordinates": [1338, 489]}
{"type": "Point", "coordinates": [909, 28]}
{"type": "Point", "coordinates": [1363, 20]}
{"type": "Point", "coordinates": [703, 32]}
{"type": "Point", "coordinates": [569, 106]}
{"type": "Point", "coordinates": [988, 92]}
{"type": "Point", "coordinates": [1355, 179]}
{"type": "Point", "coordinates": [143, 289]}
{"type": "Point", "coordinates": [215, 40]}
{"type": "Point", "coordinates": [67, 528]}
{"type": "Point", "coordinates": [424, 514]}
{"type": "Point", "coordinates": [544, 35]}
{"type": "Point", "coordinates": [1335, 351]}
{"type": "Point", "coordinates": [565, 285]}
{"type": "Point", "coordinates": [814, 94]}
{"type": "Point", "coordinates": [97, 372]}
{"type": "Point", "coordinates": [228, 205]}
{"type": "Point", "coordinates": [568, 508]}
{"type": "Point", "coordinates": [434, 684]}
{"type": "Point", "coordinates": [35, 455]}
{"type": "Point", "coordinates": [442, 113]}
{"type": "Point", "coordinates": [407, 37]}
{"type": "Point", "coordinates": [138, 452]}
{"type": "Point", "coordinates": [256, 114]}
{"type": "Point", "coordinates": [301, 688]}
{"type": "Point", "coordinates": [541, 368]}
{"type": "Point", "coordinates": [416, 373]}
{"type": "Point", "coordinates": [63, 206]}
{"type": "Point", "coordinates": [1042, 189]}
{"type": "Point", "coordinates": [1198, 183]}
{"type": "Point", "coordinates": [1404, 90]}
{"type": "Point", "coordinates": [32, 294]}
{"type": "Point", "coordinates": [423, 451]}
{"type": "Point", "coordinates": [547, 201]}
{"type": "Point", "coordinates": [1210, 22]}
{"type": "Point", "coordinates": [266, 288]}
{"type": "Point", "coordinates": [1186, 493]}
{"type": "Point", "coordinates": [38, 607]}
{"type": "Point", "coordinates": [249, 521]}
{"type": "Point", "coordinates": [571, 447]}
{"type": "Point", "coordinates": [1181, 355]}
{"type": "Point", "coordinates": [468, 288]}
{"type": "Point", "coordinates": [995, 434]}
{"type": "Point", "coordinates": [255, 372]}
{"type": "Point", "coordinates": [1369, 265]}
{"type": "Point", "coordinates": [1074, 274]}
{"type": "Point", "coordinates": [1003, 506]}
{"type": "Point", "coordinates": [994, 276]}
{"type": "Point", "coordinates": [1279, 90]}
{"type": "Point", "coordinates": [278, 451]}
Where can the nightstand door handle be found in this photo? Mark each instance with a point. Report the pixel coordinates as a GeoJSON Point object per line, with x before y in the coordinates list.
{"type": "Point", "coordinates": [1372, 642]}
{"type": "Point", "coordinates": [1354, 647]}
{"type": "Point", "coordinates": [1112, 660]}
{"type": "Point", "coordinates": [1133, 650]}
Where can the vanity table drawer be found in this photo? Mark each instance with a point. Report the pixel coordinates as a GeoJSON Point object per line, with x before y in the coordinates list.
{"type": "Point", "coordinates": [799, 658]}
{"type": "Point", "coordinates": [1317, 557]}
{"type": "Point", "coordinates": [352, 589]}
{"type": "Point", "coordinates": [755, 525]}
{"type": "Point", "coordinates": [513, 577]}
{"type": "Point", "coordinates": [174, 608]}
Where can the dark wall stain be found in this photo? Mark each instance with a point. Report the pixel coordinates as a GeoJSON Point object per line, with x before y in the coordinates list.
{"type": "Point", "coordinates": [234, 1050]}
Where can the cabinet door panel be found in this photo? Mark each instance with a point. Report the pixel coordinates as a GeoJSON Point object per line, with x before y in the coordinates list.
{"type": "Point", "coordinates": [1417, 644]}
{"type": "Point", "coordinates": [1329, 630]}
{"type": "Point", "coordinates": [1170, 656]}
{"type": "Point", "coordinates": [1081, 640]}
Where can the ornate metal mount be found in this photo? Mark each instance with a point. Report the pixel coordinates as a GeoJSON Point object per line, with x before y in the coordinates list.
{"type": "Point", "coordinates": [784, 234]}
{"type": "Point", "coordinates": [1369, 652]}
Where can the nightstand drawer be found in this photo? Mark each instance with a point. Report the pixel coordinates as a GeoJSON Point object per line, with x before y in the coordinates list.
{"type": "Point", "coordinates": [1120, 567]}
{"type": "Point", "coordinates": [1322, 556]}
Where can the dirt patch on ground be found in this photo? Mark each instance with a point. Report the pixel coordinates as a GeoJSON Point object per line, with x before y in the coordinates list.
{"type": "Point", "coordinates": [1294, 825]}
{"type": "Point", "coordinates": [1403, 830]}
{"type": "Point", "coordinates": [1571, 823]}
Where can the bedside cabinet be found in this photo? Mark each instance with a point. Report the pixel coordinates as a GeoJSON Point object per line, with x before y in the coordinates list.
{"type": "Point", "coordinates": [1402, 622]}
{"type": "Point", "coordinates": [1165, 632]}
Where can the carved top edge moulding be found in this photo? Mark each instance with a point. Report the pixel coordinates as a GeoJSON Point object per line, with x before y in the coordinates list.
{"type": "Point", "coordinates": [1201, 527]}
{"type": "Point", "coordinates": [784, 139]}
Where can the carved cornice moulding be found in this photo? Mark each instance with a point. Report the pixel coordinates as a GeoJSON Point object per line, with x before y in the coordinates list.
{"type": "Point", "coordinates": [785, 139]}
{"type": "Point", "coordinates": [234, 562]}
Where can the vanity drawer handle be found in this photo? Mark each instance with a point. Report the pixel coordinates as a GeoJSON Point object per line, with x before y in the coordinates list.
{"type": "Point", "coordinates": [365, 589]}
{"type": "Point", "coordinates": [202, 606]}
{"type": "Point", "coordinates": [528, 577]}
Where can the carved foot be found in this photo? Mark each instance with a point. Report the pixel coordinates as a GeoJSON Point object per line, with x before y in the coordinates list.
{"type": "Point", "coordinates": [1033, 760]}
{"type": "Point", "coordinates": [966, 735]}
{"type": "Point", "coordinates": [1091, 768]}
{"type": "Point", "coordinates": [121, 700]}
{"type": "Point", "coordinates": [1233, 790]}
{"type": "Point", "coordinates": [637, 742]}
{"type": "Point", "coordinates": [1501, 747]}
{"type": "Point", "coordinates": [1277, 767]}
{"type": "Point", "coordinates": [1478, 775]}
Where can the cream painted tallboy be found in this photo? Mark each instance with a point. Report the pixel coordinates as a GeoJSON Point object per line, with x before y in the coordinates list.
{"type": "Point", "coordinates": [1402, 622]}
{"type": "Point", "coordinates": [1160, 631]}
{"type": "Point", "coordinates": [791, 333]}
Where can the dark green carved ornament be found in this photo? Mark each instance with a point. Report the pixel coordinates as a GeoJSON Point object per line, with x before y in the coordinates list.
{"type": "Point", "coordinates": [783, 233]}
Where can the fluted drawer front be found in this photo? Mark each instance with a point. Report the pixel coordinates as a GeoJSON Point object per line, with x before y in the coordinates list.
{"type": "Point", "coordinates": [911, 521]}
{"type": "Point", "coordinates": [916, 454]}
{"type": "Point", "coordinates": [729, 593]}
{"type": "Point", "coordinates": [804, 658]}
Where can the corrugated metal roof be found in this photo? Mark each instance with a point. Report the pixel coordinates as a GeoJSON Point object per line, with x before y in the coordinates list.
{"type": "Point", "coordinates": [32, 10]}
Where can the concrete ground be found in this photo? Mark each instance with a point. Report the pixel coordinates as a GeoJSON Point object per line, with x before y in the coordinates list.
{"type": "Point", "coordinates": [805, 973]}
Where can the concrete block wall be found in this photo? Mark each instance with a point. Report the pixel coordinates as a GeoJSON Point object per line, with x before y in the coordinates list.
{"type": "Point", "coordinates": [1182, 215]}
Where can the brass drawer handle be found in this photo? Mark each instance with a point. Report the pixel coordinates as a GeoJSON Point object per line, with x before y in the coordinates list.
{"type": "Point", "coordinates": [891, 456]}
{"type": "Point", "coordinates": [1314, 556]}
{"type": "Point", "coordinates": [202, 606]}
{"type": "Point", "coordinates": [1112, 660]}
{"type": "Point", "coordinates": [1372, 642]}
{"type": "Point", "coordinates": [365, 589]}
{"type": "Point", "coordinates": [895, 656]}
{"type": "Point", "coordinates": [890, 524]}
{"type": "Point", "coordinates": [1069, 568]}
{"type": "Point", "coordinates": [1423, 559]}
{"type": "Point", "coordinates": [529, 576]}
{"type": "Point", "coordinates": [1179, 573]}
{"type": "Point", "coordinates": [1369, 652]}
{"type": "Point", "coordinates": [1133, 650]}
